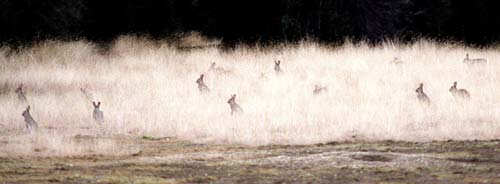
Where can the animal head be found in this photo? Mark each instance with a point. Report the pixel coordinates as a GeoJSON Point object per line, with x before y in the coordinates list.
{"type": "Point", "coordinates": [319, 88]}
{"type": "Point", "coordinates": [200, 80]}
{"type": "Point", "coordinates": [26, 113]}
{"type": "Point", "coordinates": [212, 66]}
{"type": "Point", "coordinates": [19, 89]}
{"type": "Point", "coordinates": [96, 105]}
{"type": "Point", "coordinates": [420, 88]}
{"type": "Point", "coordinates": [232, 100]}
{"type": "Point", "coordinates": [277, 67]}
{"type": "Point", "coordinates": [454, 87]}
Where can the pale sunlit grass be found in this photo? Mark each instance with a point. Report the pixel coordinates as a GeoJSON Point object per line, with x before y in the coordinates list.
{"type": "Point", "coordinates": [148, 88]}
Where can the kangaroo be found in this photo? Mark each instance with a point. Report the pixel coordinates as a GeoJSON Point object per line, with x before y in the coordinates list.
{"type": "Point", "coordinates": [201, 84]}
{"type": "Point", "coordinates": [20, 93]}
{"type": "Point", "coordinates": [472, 61]}
{"type": "Point", "coordinates": [98, 115]}
{"type": "Point", "coordinates": [459, 93]}
{"type": "Point", "coordinates": [235, 108]}
{"type": "Point", "coordinates": [31, 124]}
{"type": "Point", "coordinates": [422, 97]}
{"type": "Point", "coordinates": [319, 89]}
{"type": "Point", "coordinates": [277, 67]}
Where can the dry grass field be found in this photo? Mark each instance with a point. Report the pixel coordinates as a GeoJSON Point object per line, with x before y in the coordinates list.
{"type": "Point", "coordinates": [367, 126]}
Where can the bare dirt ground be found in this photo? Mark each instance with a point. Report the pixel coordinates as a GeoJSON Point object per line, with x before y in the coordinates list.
{"type": "Point", "coordinates": [166, 160]}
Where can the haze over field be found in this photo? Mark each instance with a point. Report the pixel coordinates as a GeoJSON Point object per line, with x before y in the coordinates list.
{"type": "Point", "coordinates": [147, 88]}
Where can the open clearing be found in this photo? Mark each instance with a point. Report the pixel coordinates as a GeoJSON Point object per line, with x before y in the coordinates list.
{"type": "Point", "coordinates": [173, 161]}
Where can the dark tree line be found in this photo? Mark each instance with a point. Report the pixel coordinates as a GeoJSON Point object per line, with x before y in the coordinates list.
{"type": "Point", "coordinates": [22, 21]}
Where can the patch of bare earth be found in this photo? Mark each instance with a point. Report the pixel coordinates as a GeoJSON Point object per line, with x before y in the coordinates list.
{"type": "Point", "coordinates": [167, 160]}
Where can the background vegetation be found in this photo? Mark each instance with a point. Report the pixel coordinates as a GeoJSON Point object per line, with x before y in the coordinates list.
{"type": "Point", "coordinates": [147, 88]}
{"type": "Point", "coordinates": [472, 22]}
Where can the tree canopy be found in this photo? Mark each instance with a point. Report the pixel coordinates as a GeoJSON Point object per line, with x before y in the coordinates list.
{"type": "Point", "coordinates": [253, 20]}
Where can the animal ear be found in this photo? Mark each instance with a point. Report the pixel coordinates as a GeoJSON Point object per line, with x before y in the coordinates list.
{"type": "Point", "coordinates": [98, 104]}
{"type": "Point", "coordinates": [28, 108]}
{"type": "Point", "coordinates": [279, 62]}
{"type": "Point", "coordinates": [455, 83]}
{"type": "Point", "coordinates": [93, 103]}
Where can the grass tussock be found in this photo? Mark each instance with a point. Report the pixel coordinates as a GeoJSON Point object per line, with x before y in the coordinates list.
{"type": "Point", "coordinates": [147, 88]}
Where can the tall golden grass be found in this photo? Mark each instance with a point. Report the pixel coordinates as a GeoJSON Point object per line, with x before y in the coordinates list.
{"type": "Point", "coordinates": [148, 88]}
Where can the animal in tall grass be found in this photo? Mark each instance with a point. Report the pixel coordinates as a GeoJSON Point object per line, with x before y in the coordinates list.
{"type": "Point", "coordinates": [421, 96]}
{"type": "Point", "coordinates": [396, 61]}
{"type": "Point", "coordinates": [319, 89]}
{"type": "Point", "coordinates": [218, 70]}
{"type": "Point", "coordinates": [31, 124]}
{"type": "Point", "coordinates": [459, 93]}
{"type": "Point", "coordinates": [201, 84]}
{"type": "Point", "coordinates": [98, 115]}
{"type": "Point", "coordinates": [20, 93]}
{"type": "Point", "coordinates": [277, 67]}
{"type": "Point", "coordinates": [473, 61]}
{"type": "Point", "coordinates": [87, 94]}
{"type": "Point", "coordinates": [262, 75]}
{"type": "Point", "coordinates": [235, 108]}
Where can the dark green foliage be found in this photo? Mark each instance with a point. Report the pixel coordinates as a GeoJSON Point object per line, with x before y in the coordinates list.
{"type": "Point", "coordinates": [22, 21]}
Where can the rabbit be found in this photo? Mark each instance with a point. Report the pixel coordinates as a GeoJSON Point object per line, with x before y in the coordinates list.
{"type": "Point", "coordinates": [277, 67]}
{"type": "Point", "coordinates": [262, 75]}
{"type": "Point", "coordinates": [472, 61]}
{"type": "Point", "coordinates": [201, 84]}
{"type": "Point", "coordinates": [218, 70]}
{"type": "Point", "coordinates": [31, 124]}
{"type": "Point", "coordinates": [422, 97]}
{"type": "Point", "coordinates": [20, 93]}
{"type": "Point", "coordinates": [459, 93]}
{"type": "Point", "coordinates": [396, 61]}
{"type": "Point", "coordinates": [319, 89]}
{"type": "Point", "coordinates": [87, 94]}
{"type": "Point", "coordinates": [98, 115]}
{"type": "Point", "coordinates": [235, 108]}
